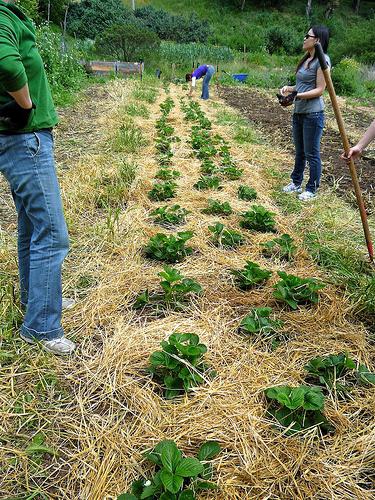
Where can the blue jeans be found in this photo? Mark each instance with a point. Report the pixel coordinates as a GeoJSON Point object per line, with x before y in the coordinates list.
{"type": "Point", "coordinates": [26, 160]}
{"type": "Point", "coordinates": [206, 81]}
{"type": "Point", "coordinates": [307, 133]}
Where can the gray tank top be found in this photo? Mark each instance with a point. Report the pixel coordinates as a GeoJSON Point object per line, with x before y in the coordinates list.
{"type": "Point", "coordinates": [305, 81]}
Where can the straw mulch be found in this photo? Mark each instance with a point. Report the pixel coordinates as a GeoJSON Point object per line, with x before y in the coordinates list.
{"type": "Point", "coordinates": [105, 410]}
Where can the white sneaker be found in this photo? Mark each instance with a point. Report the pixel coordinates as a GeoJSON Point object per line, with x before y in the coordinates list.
{"type": "Point", "coordinates": [61, 346]}
{"type": "Point", "coordinates": [68, 303]}
{"type": "Point", "coordinates": [292, 188]}
{"type": "Point", "coordinates": [306, 196]}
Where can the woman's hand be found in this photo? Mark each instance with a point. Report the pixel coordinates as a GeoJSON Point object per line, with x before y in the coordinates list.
{"type": "Point", "coordinates": [354, 152]}
{"type": "Point", "coordinates": [287, 89]}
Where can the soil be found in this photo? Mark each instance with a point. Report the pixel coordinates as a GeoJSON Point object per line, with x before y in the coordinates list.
{"type": "Point", "coordinates": [276, 122]}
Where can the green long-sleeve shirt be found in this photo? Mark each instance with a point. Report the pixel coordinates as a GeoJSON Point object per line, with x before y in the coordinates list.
{"type": "Point", "coordinates": [21, 64]}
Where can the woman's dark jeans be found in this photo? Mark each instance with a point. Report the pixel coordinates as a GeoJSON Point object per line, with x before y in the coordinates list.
{"type": "Point", "coordinates": [307, 133]}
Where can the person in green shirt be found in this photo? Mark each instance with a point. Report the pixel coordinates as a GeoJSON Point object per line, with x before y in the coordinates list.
{"type": "Point", "coordinates": [27, 116]}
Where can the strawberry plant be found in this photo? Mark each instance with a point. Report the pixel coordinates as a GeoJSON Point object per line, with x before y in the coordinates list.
{"type": "Point", "coordinates": [232, 172]}
{"type": "Point", "coordinates": [209, 167]}
{"type": "Point", "coordinates": [258, 322]}
{"type": "Point", "coordinates": [225, 237]}
{"type": "Point", "coordinates": [169, 248]}
{"type": "Point", "coordinates": [297, 291]}
{"type": "Point", "coordinates": [215, 207]}
{"type": "Point", "coordinates": [165, 159]}
{"type": "Point", "coordinates": [297, 408]}
{"type": "Point", "coordinates": [167, 174]}
{"type": "Point", "coordinates": [176, 477]}
{"type": "Point", "coordinates": [170, 215]}
{"type": "Point", "coordinates": [335, 371]}
{"type": "Point", "coordinates": [167, 106]}
{"type": "Point", "coordinates": [179, 366]}
{"type": "Point", "coordinates": [162, 191]}
{"type": "Point", "coordinates": [258, 219]}
{"type": "Point", "coordinates": [246, 193]}
{"type": "Point", "coordinates": [176, 291]}
{"type": "Point", "coordinates": [283, 247]}
{"type": "Point", "coordinates": [259, 325]}
{"type": "Point", "coordinates": [208, 182]}
{"type": "Point", "coordinates": [252, 274]}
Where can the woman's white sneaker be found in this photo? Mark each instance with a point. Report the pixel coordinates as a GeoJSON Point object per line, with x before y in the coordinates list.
{"type": "Point", "coordinates": [306, 196]}
{"type": "Point", "coordinates": [61, 346]}
{"type": "Point", "coordinates": [292, 188]}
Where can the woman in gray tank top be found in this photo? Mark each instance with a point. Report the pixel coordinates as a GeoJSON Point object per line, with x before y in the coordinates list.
{"type": "Point", "coordinates": [308, 115]}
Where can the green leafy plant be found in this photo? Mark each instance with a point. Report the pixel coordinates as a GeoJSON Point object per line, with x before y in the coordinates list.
{"type": "Point", "coordinates": [169, 248]}
{"type": "Point", "coordinates": [283, 247]}
{"type": "Point", "coordinates": [258, 322]}
{"type": "Point", "coordinates": [246, 193]}
{"type": "Point", "coordinates": [232, 172]}
{"type": "Point", "coordinates": [252, 274]}
{"type": "Point", "coordinates": [170, 215]}
{"type": "Point", "coordinates": [336, 371]}
{"type": "Point", "coordinates": [209, 167]}
{"type": "Point", "coordinates": [225, 237]}
{"type": "Point", "coordinates": [176, 291]}
{"type": "Point", "coordinates": [208, 182]}
{"type": "Point", "coordinates": [297, 291]}
{"type": "Point", "coordinates": [129, 138]}
{"type": "Point", "coordinates": [179, 366]}
{"type": "Point", "coordinates": [258, 219]}
{"type": "Point", "coordinates": [162, 191]}
{"type": "Point", "coordinates": [298, 408]}
{"type": "Point", "coordinates": [167, 174]}
{"type": "Point", "coordinates": [177, 477]}
{"type": "Point", "coordinates": [216, 207]}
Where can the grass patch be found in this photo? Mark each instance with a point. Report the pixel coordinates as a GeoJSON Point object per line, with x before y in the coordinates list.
{"type": "Point", "coordinates": [137, 109]}
{"type": "Point", "coordinates": [146, 94]}
{"type": "Point", "coordinates": [245, 135]}
{"type": "Point", "coordinates": [129, 138]}
{"type": "Point", "coordinates": [112, 191]}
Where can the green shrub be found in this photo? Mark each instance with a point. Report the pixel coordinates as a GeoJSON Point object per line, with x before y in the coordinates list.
{"type": "Point", "coordinates": [281, 40]}
{"type": "Point", "coordinates": [347, 79]}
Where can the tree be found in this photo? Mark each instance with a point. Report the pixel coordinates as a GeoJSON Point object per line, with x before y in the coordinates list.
{"type": "Point", "coordinates": [30, 7]}
{"type": "Point", "coordinates": [127, 41]}
{"type": "Point", "coordinates": [90, 18]}
{"type": "Point", "coordinates": [308, 8]}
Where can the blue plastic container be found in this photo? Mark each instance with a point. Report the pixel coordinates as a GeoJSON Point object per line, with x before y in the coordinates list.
{"type": "Point", "coordinates": [241, 77]}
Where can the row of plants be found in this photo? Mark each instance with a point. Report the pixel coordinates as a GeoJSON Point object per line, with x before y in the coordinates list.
{"type": "Point", "coordinates": [179, 367]}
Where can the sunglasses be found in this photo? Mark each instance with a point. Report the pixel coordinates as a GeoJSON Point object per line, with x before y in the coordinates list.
{"type": "Point", "coordinates": [309, 36]}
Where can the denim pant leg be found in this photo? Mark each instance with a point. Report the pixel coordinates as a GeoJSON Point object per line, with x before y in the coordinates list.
{"type": "Point", "coordinates": [206, 82]}
{"type": "Point", "coordinates": [27, 162]}
{"type": "Point", "coordinates": [312, 134]}
{"type": "Point", "coordinates": [25, 231]}
{"type": "Point", "coordinates": [300, 159]}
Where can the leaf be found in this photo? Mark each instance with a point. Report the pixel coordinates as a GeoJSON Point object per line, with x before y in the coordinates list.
{"type": "Point", "coordinates": [126, 496]}
{"type": "Point", "coordinates": [172, 482]}
{"type": "Point", "coordinates": [205, 485]}
{"type": "Point", "coordinates": [208, 450]}
{"type": "Point", "coordinates": [365, 375]}
{"type": "Point", "coordinates": [167, 496]}
{"type": "Point", "coordinates": [137, 487]}
{"type": "Point", "coordinates": [149, 491]}
{"type": "Point", "coordinates": [189, 467]}
{"type": "Point", "coordinates": [171, 456]}
{"type": "Point", "coordinates": [187, 495]}
{"type": "Point", "coordinates": [314, 399]}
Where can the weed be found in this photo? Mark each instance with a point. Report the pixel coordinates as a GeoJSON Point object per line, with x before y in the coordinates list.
{"type": "Point", "coordinates": [225, 237]}
{"type": "Point", "coordinates": [282, 248]}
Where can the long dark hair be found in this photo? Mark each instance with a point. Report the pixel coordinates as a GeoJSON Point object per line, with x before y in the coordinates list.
{"type": "Point", "coordinates": [322, 33]}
